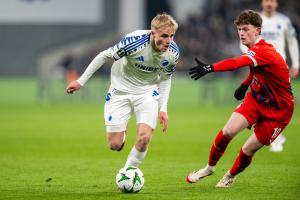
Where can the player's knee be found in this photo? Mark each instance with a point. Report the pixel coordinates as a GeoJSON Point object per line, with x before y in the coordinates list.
{"type": "Point", "coordinates": [115, 141]}
{"type": "Point", "coordinates": [115, 146]}
{"type": "Point", "coordinates": [143, 141]}
{"type": "Point", "coordinates": [229, 132]}
{"type": "Point", "coordinates": [249, 151]}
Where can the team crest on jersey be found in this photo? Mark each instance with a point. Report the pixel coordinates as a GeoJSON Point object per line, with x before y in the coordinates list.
{"type": "Point", "coordinates": [278, 26]}
{"type": "Point", "coordinates": [251, 53]}
{"type": "Point", "coordinates": [164, 63]}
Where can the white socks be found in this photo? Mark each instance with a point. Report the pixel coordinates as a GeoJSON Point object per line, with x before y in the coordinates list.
{"type": "Point", "coordinates": [135, 157]}
{"type": "Point", "coordinates": [210, 168]}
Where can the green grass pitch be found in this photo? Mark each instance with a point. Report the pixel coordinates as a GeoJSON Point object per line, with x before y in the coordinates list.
{"type": "Point", "coordinates": [58, 150]}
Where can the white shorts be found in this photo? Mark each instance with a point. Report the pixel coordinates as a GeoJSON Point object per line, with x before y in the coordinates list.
{"type": "Point", "coordinates": [120, 106]}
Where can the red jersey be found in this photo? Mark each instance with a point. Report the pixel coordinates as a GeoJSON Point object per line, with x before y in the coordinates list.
{"type": "Point", "coordinates": [270, 74]}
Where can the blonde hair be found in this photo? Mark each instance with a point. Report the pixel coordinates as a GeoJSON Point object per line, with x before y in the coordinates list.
{"type": "Point", "coordinates": [163, 20]}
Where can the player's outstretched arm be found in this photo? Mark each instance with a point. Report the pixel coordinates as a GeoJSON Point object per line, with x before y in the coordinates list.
{"type": "Point", "coordinates": [225, 65]}
{"type": "Point", "coordinates": [72, 87]}
{"type": "Point", "coordinates": [200, 70]}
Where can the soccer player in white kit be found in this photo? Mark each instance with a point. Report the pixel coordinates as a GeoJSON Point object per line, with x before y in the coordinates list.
{"type": "Point", "coordinates": [276, 29]}
{"type": "Point", "coordinates": [144, 62]}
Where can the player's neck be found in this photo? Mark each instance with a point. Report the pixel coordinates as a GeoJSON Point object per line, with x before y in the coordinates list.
{"type": "Point", "coordinates": [269, 14]}
{"type": "Point", "coordinates": [254, 42]}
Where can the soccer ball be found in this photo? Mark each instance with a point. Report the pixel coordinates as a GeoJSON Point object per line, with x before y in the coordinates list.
{"type": "Point", "coordinates": [130, 179]}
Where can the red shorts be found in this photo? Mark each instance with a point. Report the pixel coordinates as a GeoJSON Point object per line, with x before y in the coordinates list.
{"type": "Point", "coordinates": [269, 121]}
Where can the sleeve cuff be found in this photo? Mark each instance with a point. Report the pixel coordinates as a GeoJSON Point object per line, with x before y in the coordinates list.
{"type": "Point", "coordinates": [163, 109]}
{"type": "Point", "coordinates": [80, 82]}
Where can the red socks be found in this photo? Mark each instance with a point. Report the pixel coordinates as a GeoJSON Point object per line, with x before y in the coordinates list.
{"type": "Point", "coordinates": [241, 162]}
{"type": "Point", "coordinates": [218, 148]}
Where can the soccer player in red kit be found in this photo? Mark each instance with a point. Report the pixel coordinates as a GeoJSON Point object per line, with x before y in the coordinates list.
{"type": "Point", "coordinates": [277, 30]}
{"type": "Point", "coordinates": [268, 106]}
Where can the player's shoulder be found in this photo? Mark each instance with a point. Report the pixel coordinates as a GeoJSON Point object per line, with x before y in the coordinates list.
{"type": "Point", "coordinates": [173, 50]}
{"type": "Point", "coordinates": [262, 49]}
{"type": "Point", "coordinates": [259, 47]}
{"type": "Point", "coordinates": [130, 43]}
{"type": "Point", "coordinates": [277, 18]}
{"type": "Point", "coordinates": [282, 17]}
{"type": "Point", "coordinates": [134, 41]}
{"type": "Point", "coordinates": [174, 47]}
{"type": "Point", "coordinates": [138, 33]}
{"type": "Point", "coordinates": [136, 37]}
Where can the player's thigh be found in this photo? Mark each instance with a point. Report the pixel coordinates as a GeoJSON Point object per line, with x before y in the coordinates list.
{"type": "Point", "coordinates": [236, 123]}
{"type": "Point", "coordinates": [252, 145]}
{"type": "Point", "coordinates": [249, 109]}
{"type": "Point", "coordinates": [117, 112]}
{"type": "Point", "coordinates": [146, 110]}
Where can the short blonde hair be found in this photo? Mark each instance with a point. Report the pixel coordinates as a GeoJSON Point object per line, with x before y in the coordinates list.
{"type": "Point", "coordinates": [163, 20]}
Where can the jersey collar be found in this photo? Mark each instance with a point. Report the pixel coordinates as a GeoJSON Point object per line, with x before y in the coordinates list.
{"type": "Point", "coordinates": [258, 40]}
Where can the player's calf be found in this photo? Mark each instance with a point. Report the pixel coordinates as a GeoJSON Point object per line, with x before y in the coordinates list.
{"type": "Point", "coordinates": [143, 138]}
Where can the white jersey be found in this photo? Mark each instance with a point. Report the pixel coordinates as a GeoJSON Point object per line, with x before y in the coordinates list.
{"type": "Point", "coordinates": [138, 68]}
{"type": "Point", "coordinates": [277, 30]}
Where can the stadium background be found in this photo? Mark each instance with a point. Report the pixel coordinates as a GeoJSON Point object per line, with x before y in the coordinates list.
{"type": "Point", "coordinates": [53, 145]}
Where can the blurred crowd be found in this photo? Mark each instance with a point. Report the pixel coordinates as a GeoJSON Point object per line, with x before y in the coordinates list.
{"type": "Point", "coordinates": [209, 35]}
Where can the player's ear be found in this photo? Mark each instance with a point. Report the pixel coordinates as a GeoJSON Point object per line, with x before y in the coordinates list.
{"type": "Point", "coordinates": [258, 30]}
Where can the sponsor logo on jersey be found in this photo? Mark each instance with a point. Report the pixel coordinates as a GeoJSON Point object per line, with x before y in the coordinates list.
{"type": "Point", "coordinates": [145, 68]}
{"type": "Point", "coordinates": [251, 53]}
{"type": "Point", "coordinates": [164, 63]}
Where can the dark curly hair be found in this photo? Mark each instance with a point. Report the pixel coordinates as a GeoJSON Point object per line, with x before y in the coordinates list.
{"type": "Point", "coordinates": [248, 17]}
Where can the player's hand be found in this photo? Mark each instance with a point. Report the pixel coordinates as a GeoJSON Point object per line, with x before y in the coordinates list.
{"type": "Point", "coordinates": [164, 120]}
{"type": "Point", "coordinates": [294, 72]}
{"type": "Point", "coordinates": [200, 70]}
{"type": "Point", "coordinates": [240, 92]}
{"type": "Point", "coordinates": [72, 87]}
